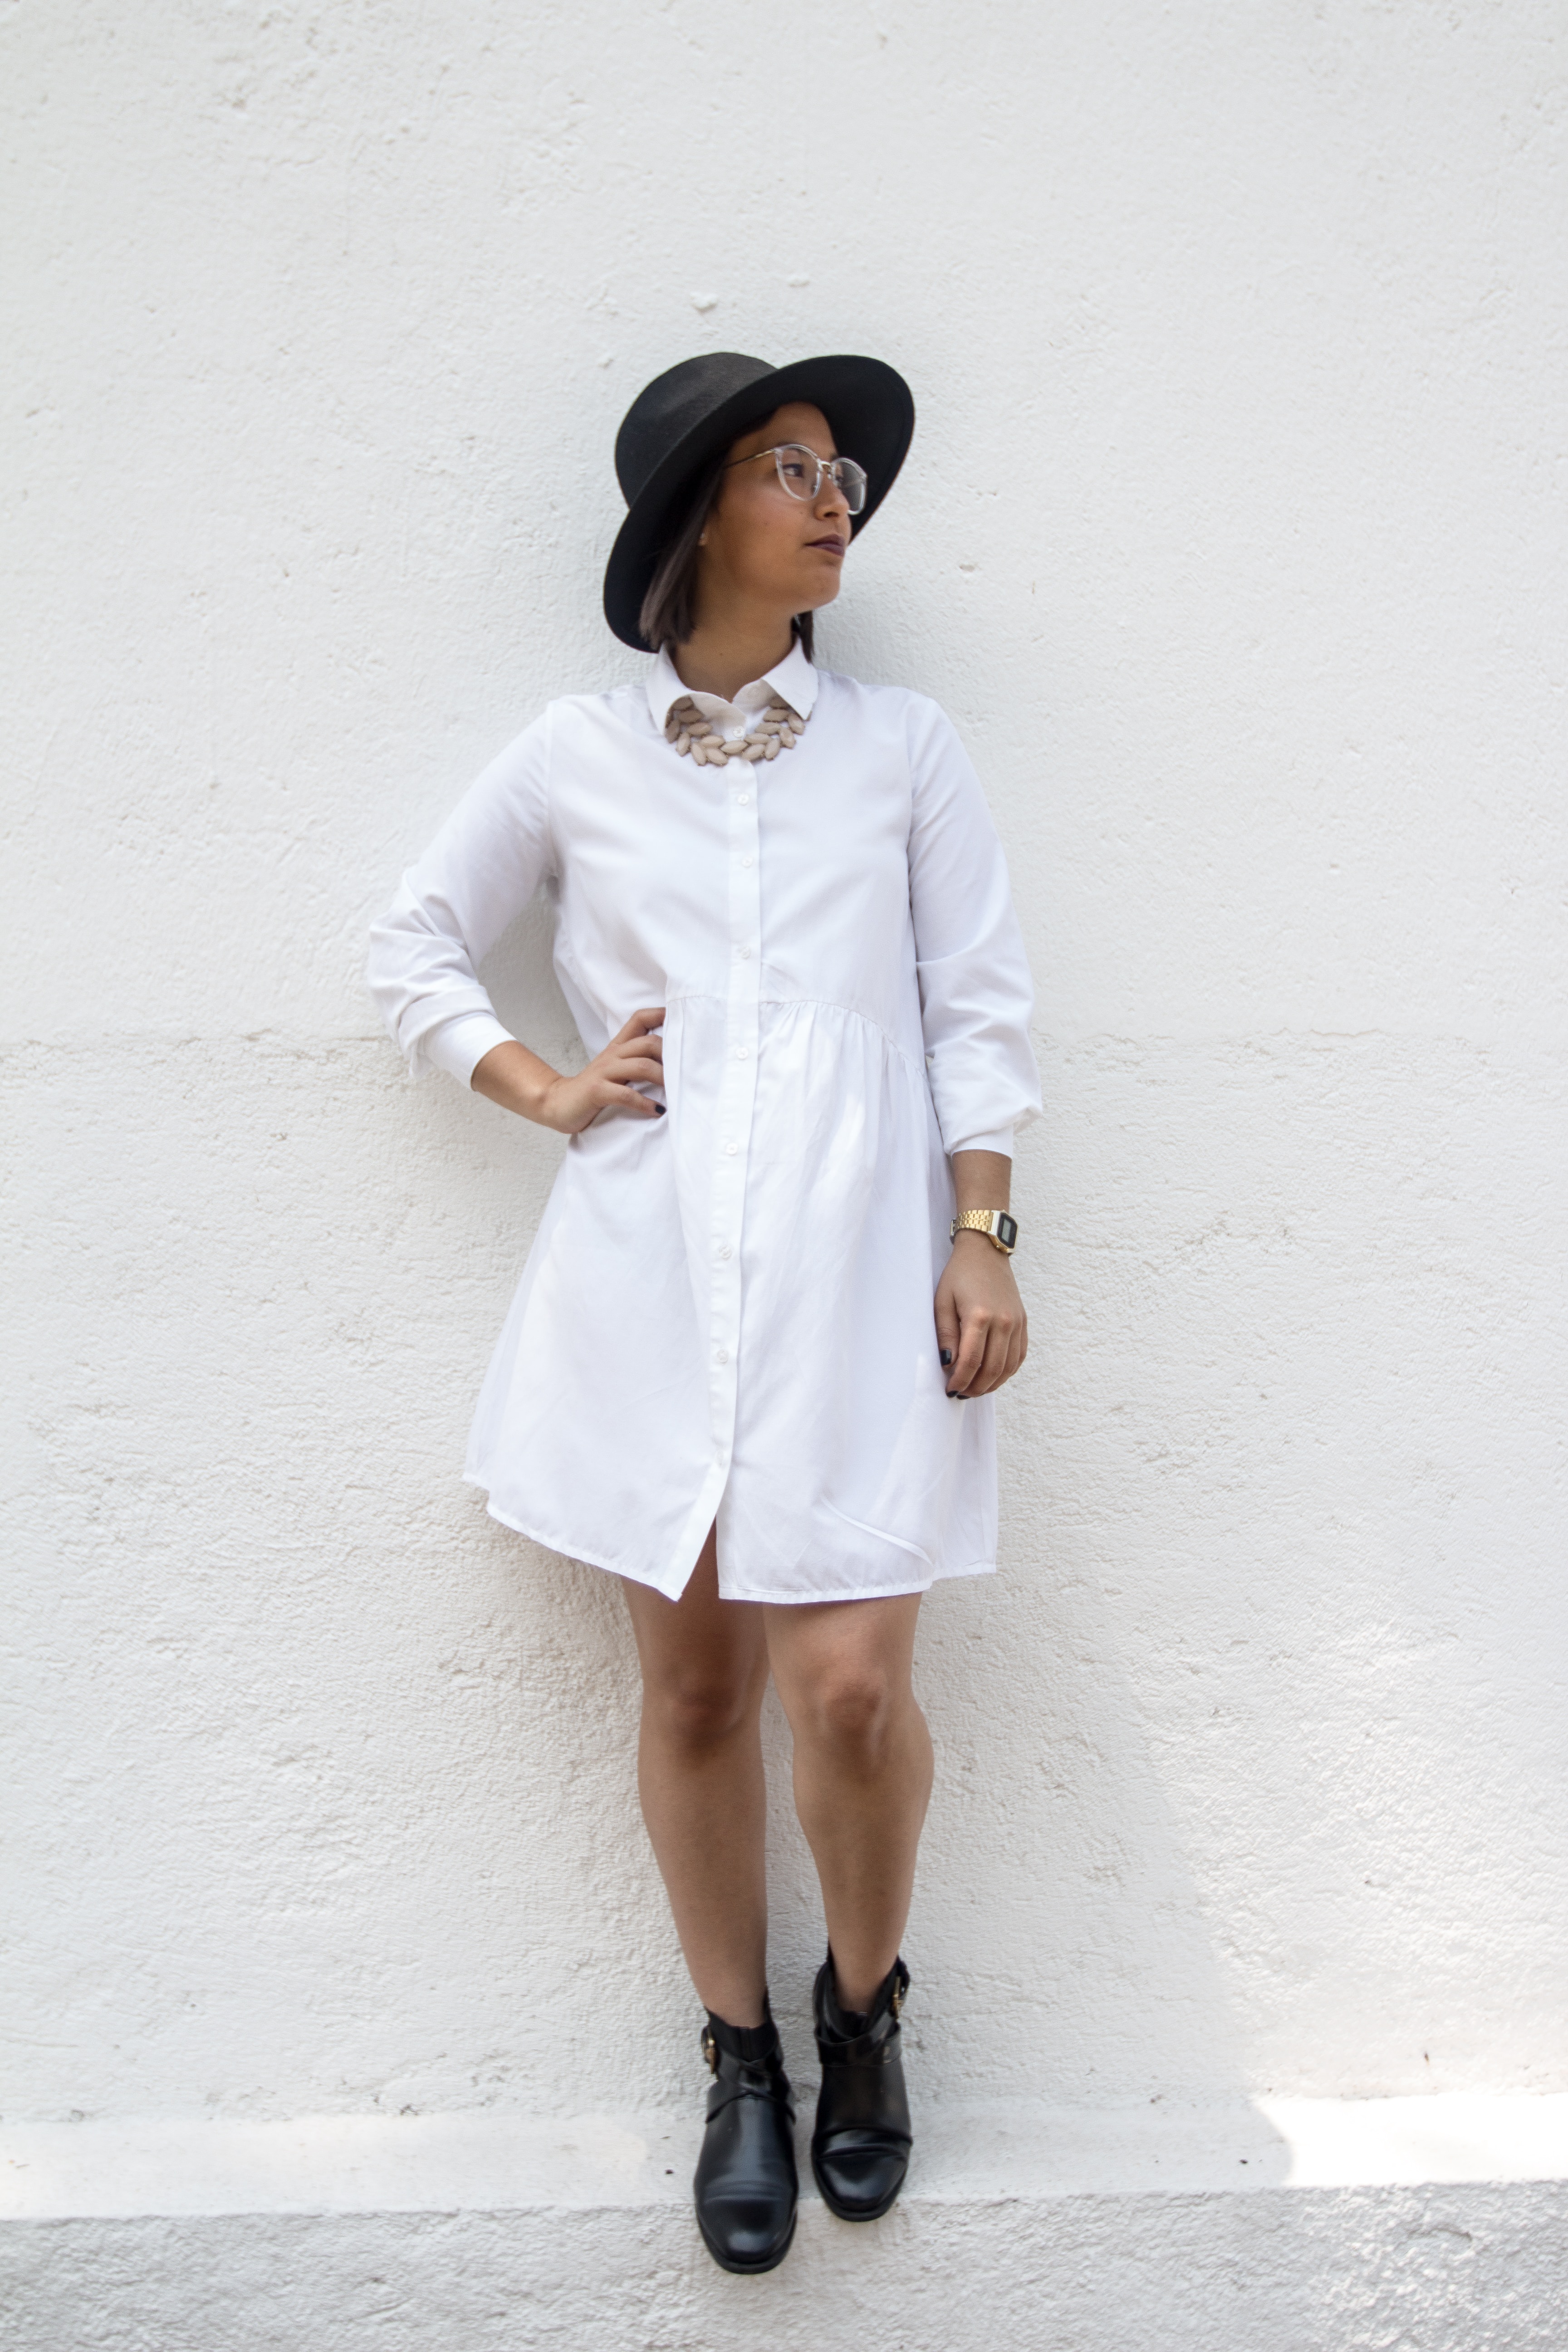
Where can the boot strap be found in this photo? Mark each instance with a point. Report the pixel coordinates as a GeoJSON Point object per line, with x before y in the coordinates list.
{"type": "Point", "coordinates": [877, 2046]}
{"type": "Point", "coordinates": [867, 2051]}
{"type": "Point", "coordinates": [746, 2078]}
{"type": "Point", "coordinates": [859, 2047]}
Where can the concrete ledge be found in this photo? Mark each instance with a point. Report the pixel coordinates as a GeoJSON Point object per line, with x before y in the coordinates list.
{"type": "Point", "coordinates": [1273, 2226]}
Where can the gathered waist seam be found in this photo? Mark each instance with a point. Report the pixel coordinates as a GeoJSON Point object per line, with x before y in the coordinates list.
{"type": "Point", "coordinates": [916, 1067]}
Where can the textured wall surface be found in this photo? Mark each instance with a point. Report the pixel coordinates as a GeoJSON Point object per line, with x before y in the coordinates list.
{"type": "Point", "coordinates": [1434, 2270]}
{"type": "Point", "coordinates": [1233, 540]}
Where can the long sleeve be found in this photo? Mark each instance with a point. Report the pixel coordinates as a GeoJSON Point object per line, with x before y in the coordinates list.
{"type": "Point", "coordinates": [976, 995]}
{"type": "Point", "coordinates": [476, 877]}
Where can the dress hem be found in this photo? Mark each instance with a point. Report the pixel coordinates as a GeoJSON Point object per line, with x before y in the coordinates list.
{"type": "Point", "coordinates": [773, 1599]}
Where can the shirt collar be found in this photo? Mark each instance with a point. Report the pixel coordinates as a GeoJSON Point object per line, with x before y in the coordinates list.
{"type": "Point", "coordinates": [792, 680]}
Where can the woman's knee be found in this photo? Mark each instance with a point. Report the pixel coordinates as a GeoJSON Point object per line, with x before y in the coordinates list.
{"type": "Point", "coordinates": [849, 1708]}
{"type": "Point", "coordinates": [693, 1708]}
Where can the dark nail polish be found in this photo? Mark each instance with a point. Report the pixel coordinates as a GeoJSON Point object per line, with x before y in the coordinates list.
{"type": "Point", "coordinates": [658, 1109]}
{"type": "Point", "coordinates": [947, 1355]}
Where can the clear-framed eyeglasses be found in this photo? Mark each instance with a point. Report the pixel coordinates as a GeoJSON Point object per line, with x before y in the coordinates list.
{"type": "Point", "coordinates": [801, 471]}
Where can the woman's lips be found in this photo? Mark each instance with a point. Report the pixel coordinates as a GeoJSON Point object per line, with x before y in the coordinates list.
{"type": "Point", "coordinates": [832, 546]}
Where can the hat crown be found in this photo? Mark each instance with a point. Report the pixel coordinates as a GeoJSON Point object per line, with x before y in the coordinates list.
{"type": "Point", "coordinates": [674, 404]}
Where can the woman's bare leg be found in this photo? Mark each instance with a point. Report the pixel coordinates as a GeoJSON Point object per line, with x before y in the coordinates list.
{"type": "Point", "coordinates": [862, 1769]}
{"type": "Point", "coordinates": [700, 1775]}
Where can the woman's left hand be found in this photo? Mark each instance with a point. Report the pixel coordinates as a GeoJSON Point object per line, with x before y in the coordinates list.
{"type": "Point", "coordinates": [981, 1327]}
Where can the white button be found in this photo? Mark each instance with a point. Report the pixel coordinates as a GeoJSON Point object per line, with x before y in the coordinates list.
{"type": "Point", "coordinates": [730, 1150]}
{"type": "Point", "coordinates": [744, 799]}
{"type": "Point", "coordinates": [720, 1354]}
{"type": "Point", "coordinates": [741, 1053]}
{"type": "Point", "coordinates": [725, 1251]}
{"type": "Point", "coordinates": [746, 861]}
{"type": "Point", "coordinates": [744, 954]}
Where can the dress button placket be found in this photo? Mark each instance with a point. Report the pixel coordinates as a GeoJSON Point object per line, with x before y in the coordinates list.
{"type": "Point", "coordinates": [737, 1096]}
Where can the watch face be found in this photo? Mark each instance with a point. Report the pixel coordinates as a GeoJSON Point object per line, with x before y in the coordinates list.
{"type": "Point", "coordinates": [1006, 1230]}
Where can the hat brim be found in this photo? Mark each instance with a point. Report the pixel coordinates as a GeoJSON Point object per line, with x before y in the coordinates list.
{"type": "Point", "coordinates": [870, 408]}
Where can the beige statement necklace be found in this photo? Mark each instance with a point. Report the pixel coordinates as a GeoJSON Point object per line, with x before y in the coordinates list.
{"type": "Point", "coordinates": [686, 727]}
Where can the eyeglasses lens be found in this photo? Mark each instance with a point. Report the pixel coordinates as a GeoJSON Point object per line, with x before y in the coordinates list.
{"type": "Point", "coordinates": [801, 471]}
{"type": "Point", "coordinates": [851, 479]}
{"type": "Point", "coordinates": [798, 469]}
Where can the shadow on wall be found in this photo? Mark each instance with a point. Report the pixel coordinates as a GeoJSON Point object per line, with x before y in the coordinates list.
{"type": "Point", "coordinates": [1056, 1942]}
{"type": "Point", "coordinates": [1057, 1939]}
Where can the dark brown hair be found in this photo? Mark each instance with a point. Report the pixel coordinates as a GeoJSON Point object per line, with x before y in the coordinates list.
{"type": "Point", "coordinates": [668, 612]}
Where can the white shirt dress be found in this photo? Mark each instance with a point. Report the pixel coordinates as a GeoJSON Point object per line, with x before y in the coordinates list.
{"type": "Point", "coordinates": [726, 1314]}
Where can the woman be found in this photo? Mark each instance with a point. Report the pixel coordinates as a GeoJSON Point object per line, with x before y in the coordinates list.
{"type": "Point", "coordinates": [785, 931]}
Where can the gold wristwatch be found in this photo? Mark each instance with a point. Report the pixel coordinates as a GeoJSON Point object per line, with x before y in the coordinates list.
{"type": "Point", "coordinates": [997, 1226]}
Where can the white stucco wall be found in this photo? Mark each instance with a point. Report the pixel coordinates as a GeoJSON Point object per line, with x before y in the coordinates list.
{"type": "Point", "coordinates": [1233, 540]}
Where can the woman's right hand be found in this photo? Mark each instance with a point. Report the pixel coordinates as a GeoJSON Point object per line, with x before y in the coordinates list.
{"type": "Point", "coordinates": [510, 1074]}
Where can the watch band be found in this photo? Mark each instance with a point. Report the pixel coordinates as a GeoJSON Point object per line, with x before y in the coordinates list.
{"type": "Point", "coordinates": [999, 1229]}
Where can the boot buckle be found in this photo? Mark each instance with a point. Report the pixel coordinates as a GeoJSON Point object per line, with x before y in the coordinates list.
{"type": "Point", "coordinates": [710, 2051]}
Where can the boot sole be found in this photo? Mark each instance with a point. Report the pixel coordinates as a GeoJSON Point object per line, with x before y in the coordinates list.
{"type": "Point", "coordinates": [857, 2212]}
{"type": "Point", "coordinates": [748, 2270]}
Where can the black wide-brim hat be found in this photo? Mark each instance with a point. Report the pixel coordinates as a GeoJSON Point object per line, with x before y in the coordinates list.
{"type": "Point", "coordinates": [680, 422]}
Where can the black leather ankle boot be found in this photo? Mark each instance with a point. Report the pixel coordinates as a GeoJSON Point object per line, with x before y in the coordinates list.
{"type": "Point", "coordinates": [746, 2181]}
{"type": "Point", "coordinates": [860, 2148]}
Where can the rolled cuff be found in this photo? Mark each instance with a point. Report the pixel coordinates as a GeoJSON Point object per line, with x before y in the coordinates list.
{"type": "Point", "coordinates": [1001, 1140]}
{"type": "Point", "coordinates": [460, 1045]}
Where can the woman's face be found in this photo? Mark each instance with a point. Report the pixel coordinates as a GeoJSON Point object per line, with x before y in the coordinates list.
{"type": "Point", "coordinates": [761, 544]}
